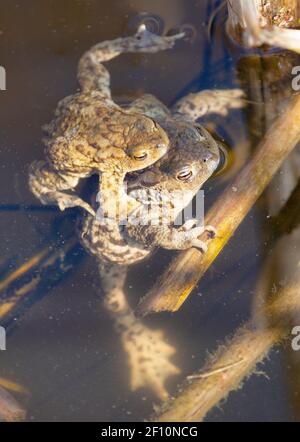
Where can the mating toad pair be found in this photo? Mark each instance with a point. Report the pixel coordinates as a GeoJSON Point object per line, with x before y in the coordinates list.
{"type": "Point", "coordinates": [90, 134]}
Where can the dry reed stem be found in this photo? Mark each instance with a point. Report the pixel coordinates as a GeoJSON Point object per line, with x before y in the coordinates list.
{"type": "Point", "coordinates": [35, 265]}
{"type": "Point", "coordinates": [10, 410]}
{"type": "Point", "coordinates": [240, 355]}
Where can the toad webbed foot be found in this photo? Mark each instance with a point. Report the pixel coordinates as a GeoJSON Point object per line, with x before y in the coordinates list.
{"type": "Point", "coordinates": [149, 359]}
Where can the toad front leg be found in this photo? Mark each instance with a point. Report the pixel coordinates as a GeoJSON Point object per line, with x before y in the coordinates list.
{"type": "Point", "coordinates": [207, 102]}
{"type": "Point", "coordinates": [49, 187]}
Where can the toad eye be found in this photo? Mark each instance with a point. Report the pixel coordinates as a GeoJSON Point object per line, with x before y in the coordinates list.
{"type": "Point", "coordinates": [184, 175]}
{"type": "Point", "coordinates": [138, 153]}
{"type": "Point", "coordinates": [140, 156]}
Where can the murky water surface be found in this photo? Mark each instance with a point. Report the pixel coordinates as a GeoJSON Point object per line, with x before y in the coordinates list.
{"type": "Point", "coordinates": [64, 348]}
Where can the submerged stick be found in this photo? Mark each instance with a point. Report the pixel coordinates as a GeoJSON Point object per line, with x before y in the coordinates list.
{"type": "Point", "coordinates": [33, 279]}
{"type": "Point", "coordinates": [182, 276]}
{"type": "Point", "coordinates": [239, 357]}
{"type": "Point", "coordinates": [19, 289]}
{"type": "Point", "coordinates": [10, 410]}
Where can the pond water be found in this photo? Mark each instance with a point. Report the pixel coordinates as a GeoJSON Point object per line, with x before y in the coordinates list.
{"type": "Point", "coordinates": [63, 348]}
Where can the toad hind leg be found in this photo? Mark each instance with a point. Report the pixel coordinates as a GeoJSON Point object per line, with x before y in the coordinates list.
{"type": "Point", "coordinates": [92, 75]}
{"type": "Point", "coordinates": [207, 102]}
{"type": "Point", "coordinates": [147, 351]}
{"type": "Point", "coordinates": [114, 205]}
{"type": "Point", "coordinates": [170, 237]}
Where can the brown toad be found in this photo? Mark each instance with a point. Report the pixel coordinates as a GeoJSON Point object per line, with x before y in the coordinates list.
{"type": "Point", "coordinates": [91, 134]}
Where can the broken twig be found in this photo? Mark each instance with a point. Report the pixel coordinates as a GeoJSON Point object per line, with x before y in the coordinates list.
{"type": "Point", "coordinates": [239, 356]}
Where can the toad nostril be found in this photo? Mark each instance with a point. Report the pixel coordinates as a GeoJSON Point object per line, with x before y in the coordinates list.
{"type": "Point", "coordinates": [208, 156]}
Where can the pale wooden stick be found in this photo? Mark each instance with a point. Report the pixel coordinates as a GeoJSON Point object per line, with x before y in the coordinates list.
{"type": "Point", "coordinates": [238, 357]}
{"type": "Point", "coordinates": [11, 299]}
{"type": "Point", "coordinates": [10, 410]}
{"type": "Point", "coordinates": [227, 213]}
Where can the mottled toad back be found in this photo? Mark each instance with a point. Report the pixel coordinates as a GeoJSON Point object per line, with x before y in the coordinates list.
{"type": "Point", "coordinates": [91, 134]}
